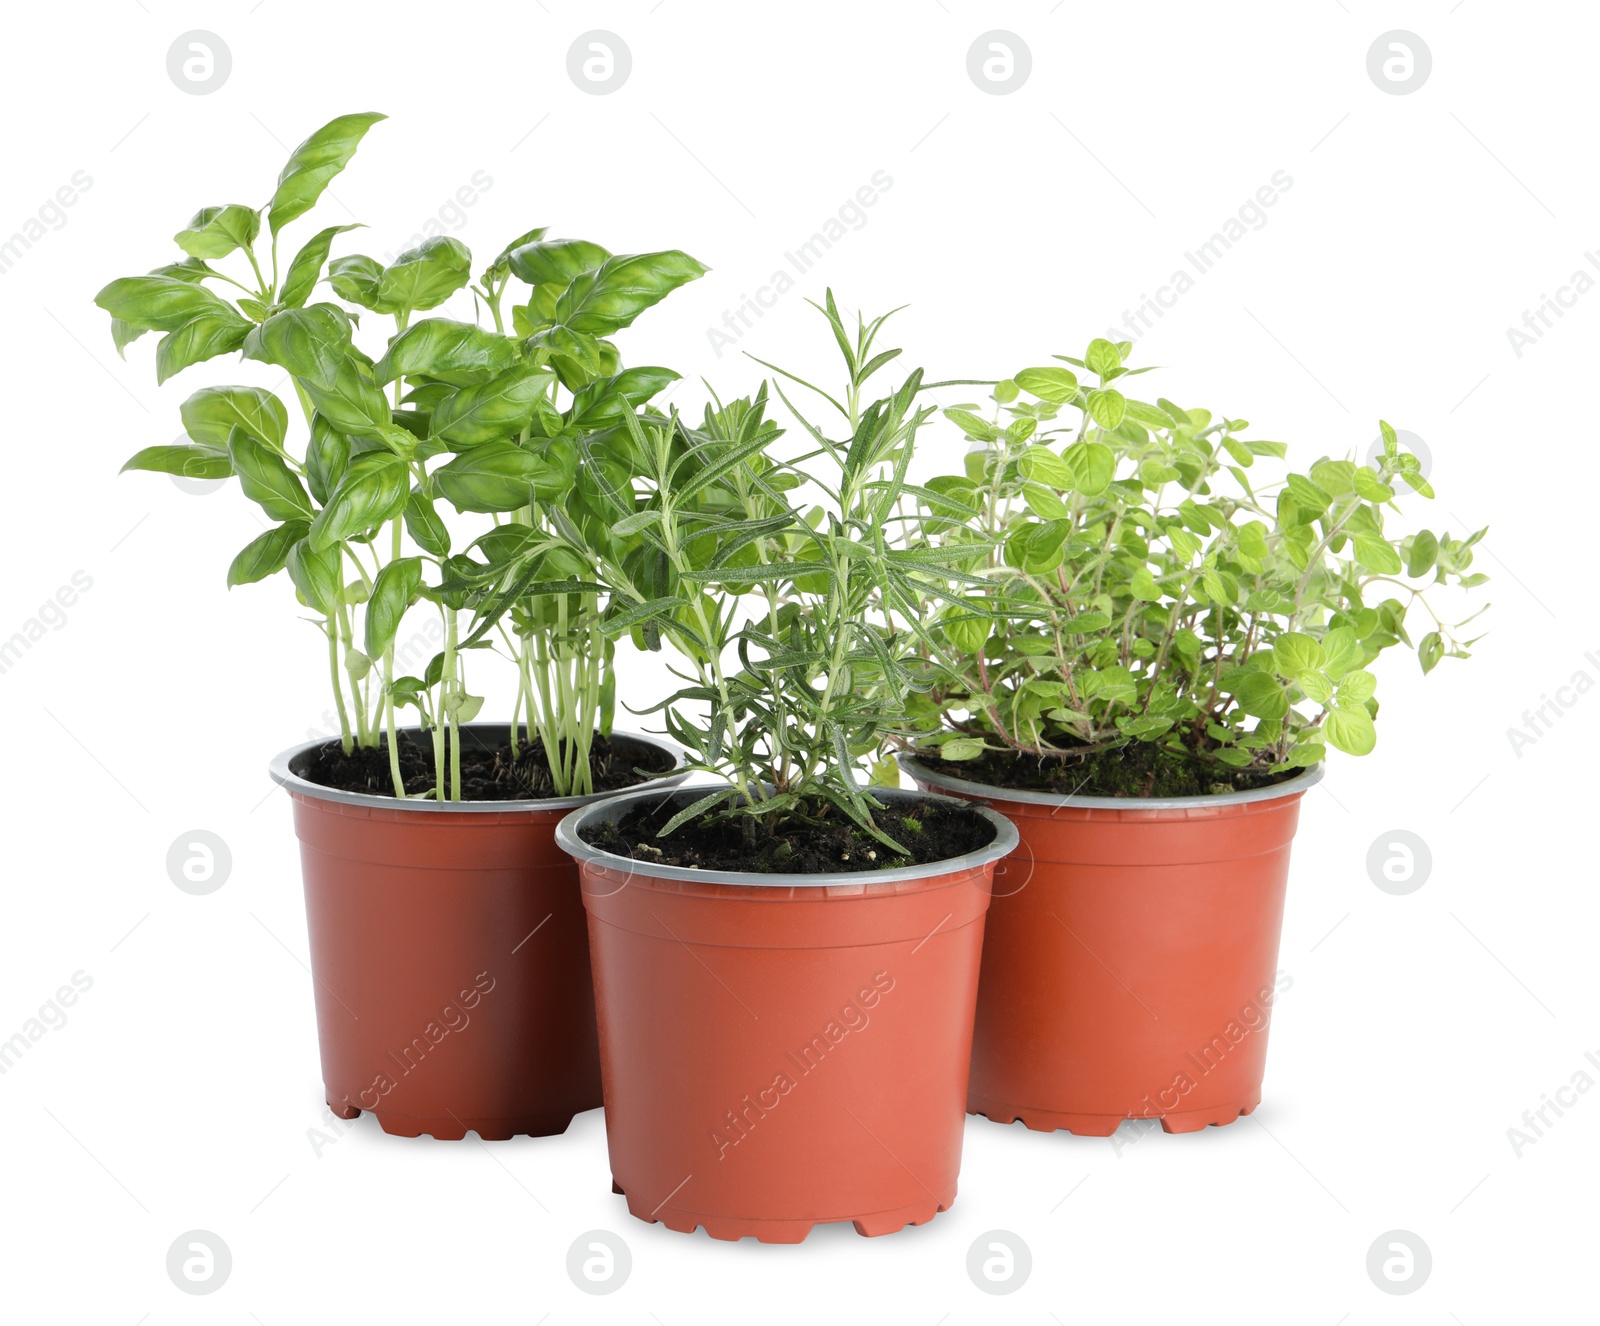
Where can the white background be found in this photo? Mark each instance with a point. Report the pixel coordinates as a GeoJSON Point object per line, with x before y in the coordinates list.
{"type": "Point", "coordinates": [183, 1092]}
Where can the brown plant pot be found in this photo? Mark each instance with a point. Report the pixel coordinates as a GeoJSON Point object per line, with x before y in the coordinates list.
{"type": "Point", "coordinates": [784, 1050]}
{"type": "Point", "coordinates": [449, 956]}
{"type": "Point", "coordinates": [1130, 960]}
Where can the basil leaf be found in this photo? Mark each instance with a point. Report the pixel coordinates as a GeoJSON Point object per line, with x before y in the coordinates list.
{"type": "Point", "coordinates": [267, 554]}
{"type": "Point", "coordinates": [311, 165]}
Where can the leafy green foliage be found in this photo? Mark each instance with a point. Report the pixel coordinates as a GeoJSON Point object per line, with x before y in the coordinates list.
{"type": "Point", "coordinates": [782, 614]}
{"type": "Point", "coordinates": [1101, 569]}
{"type": "Point", "coordinates": [1139, 579]}
{"type": "Point", "coordinates": [453, 420]}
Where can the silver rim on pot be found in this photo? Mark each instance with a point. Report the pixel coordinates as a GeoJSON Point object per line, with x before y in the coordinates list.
{"type": "Point", "coordinates": [945, 782]}
{"type": "Point", "coordinates": [287, 770]}
{"type": "Point", "coordinates": [615, 807]}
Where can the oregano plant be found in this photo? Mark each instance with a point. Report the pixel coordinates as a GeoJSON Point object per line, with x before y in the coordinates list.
{"type": "Point", "coordinates": [452, 420]}
{"type": "Point", "coordinates": [1146, 580]}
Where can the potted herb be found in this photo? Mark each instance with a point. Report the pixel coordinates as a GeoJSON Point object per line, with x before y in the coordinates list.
{"type": "Point", "coordinates": [785, 962]}
{"type": "Point", "coordinates": [433, 886]}
{"type": "Point", "coordinates": [1165, 646]}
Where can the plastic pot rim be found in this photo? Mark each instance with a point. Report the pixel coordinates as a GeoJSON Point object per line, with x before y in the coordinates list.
{"type": "Point", "coordinates": [283, 773]}
{"type": "Point", "coordinates": [1290, 787]}
{"type": "Point", "coordinates": [1004, 843]}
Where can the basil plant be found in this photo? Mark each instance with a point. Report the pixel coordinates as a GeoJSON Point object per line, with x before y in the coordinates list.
{"type": "Point", "coordinates": [450, 419]}
{"type": "Point", "coordinates": [1145, 581]}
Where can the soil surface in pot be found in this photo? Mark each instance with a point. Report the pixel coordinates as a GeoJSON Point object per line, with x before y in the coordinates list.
{"type": "Point", "coordinates": [1139, 769]}
{"type": "Point", "coordinates": [823, 843]}
{"type": "Point", "coordinates": [486, 775]}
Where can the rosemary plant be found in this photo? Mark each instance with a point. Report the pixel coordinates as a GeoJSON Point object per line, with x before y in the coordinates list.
{"type": "Point", "coordinates": [784, 616]}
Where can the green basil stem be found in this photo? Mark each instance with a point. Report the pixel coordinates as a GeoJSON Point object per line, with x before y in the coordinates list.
{"type": "Point", "coordinates": [452, 692]}
{"type": "Point", "coordinates": [363, 734]}
{"type": "Point", "coordinates": [332, 631]}
{"type": "Point", "coordinates": [438, 745]}
{"type": "Point", "coordinates": [388, 691]}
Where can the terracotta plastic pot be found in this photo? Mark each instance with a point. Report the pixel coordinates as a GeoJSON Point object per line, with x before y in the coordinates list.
{"type": "Point", "coordinates": [1130, 963]}
{"type": "Point", "coordinates": [449, 956]}
{"type": "Point", "coordinates": [784, 1050]}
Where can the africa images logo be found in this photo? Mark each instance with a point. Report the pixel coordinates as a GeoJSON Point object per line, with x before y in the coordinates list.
{"type": "Point", "coordinates": [853, 1017]}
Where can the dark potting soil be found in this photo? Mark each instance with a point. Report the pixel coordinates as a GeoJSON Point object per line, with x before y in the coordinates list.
{"type": "Point", "coordinates": [1139, 769]}
{"type": "Point", "coordinates": [486, 774]}
{"type": "Point", "coordinates": [822, 842]}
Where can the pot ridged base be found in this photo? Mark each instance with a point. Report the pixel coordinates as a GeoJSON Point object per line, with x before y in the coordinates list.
{"type": "Point", "coordinates": [731, 1230]}
{"type": "Point", "coordinates": [453, 1129]}
{"type": "Point", "coordinates": [1104, 1125]}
